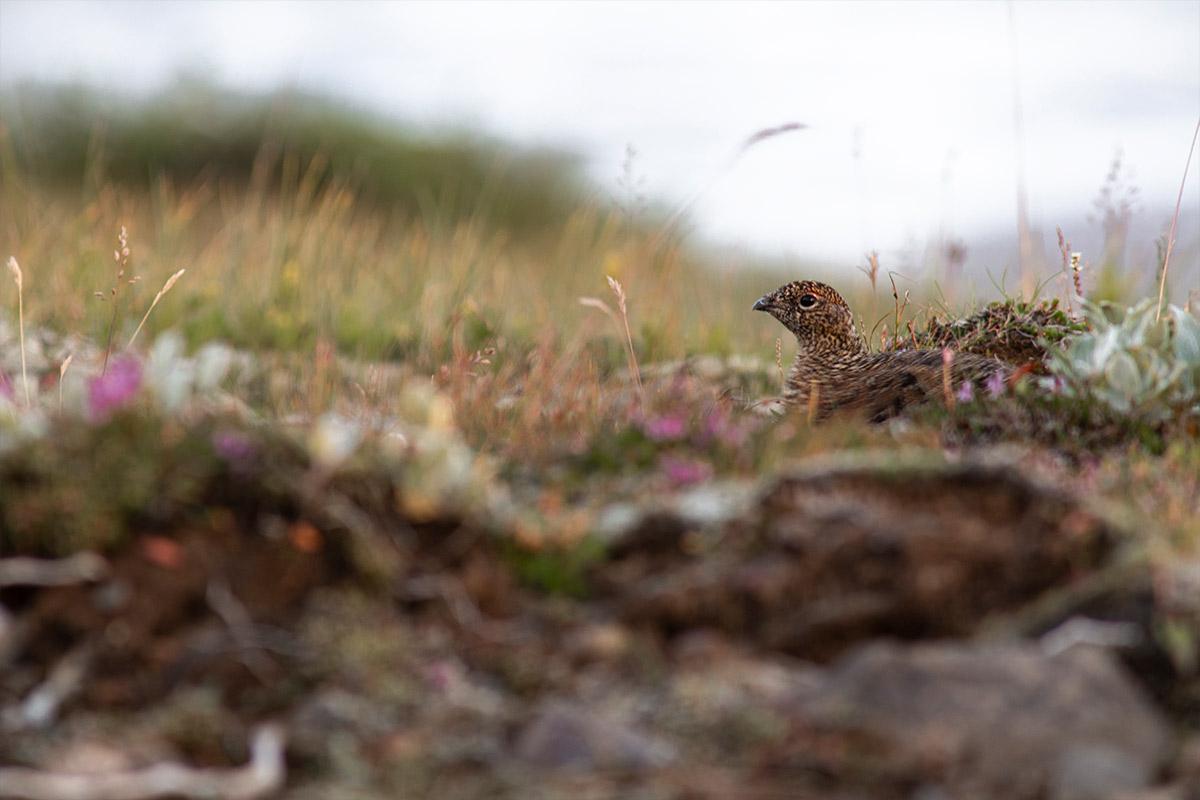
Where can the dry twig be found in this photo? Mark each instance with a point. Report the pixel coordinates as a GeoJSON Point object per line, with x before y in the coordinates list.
{"type": "Point", "coordinates": [41, 706]}
{"type": "Point", "coordinates": [79, 568]}
{"type": "Point", "coordinates": [222, 600]}
{"type": "Point", "coordinates": [262, 776]}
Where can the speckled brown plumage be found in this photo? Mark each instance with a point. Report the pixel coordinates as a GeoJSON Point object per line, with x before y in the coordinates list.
{"type": "Point", "coordinates": [833, 369]}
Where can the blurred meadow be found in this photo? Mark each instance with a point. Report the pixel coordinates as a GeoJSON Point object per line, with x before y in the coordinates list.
{"type": "Point", "coordinates": [351, 257]}
{"type": "Point", "coordinates": [469, 404]}
{"type": "Point", "coordinates": [308, 228]}
{"type": "Point", "coordinates": [300, 222]}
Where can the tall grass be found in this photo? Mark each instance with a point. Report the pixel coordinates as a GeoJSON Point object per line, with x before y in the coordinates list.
{"type": "Point", "coordinates": [298, 269]}
{"type": "Point", "coordinates": [285, 268]}
{"type": "Point", "coordinates": [298, 258]}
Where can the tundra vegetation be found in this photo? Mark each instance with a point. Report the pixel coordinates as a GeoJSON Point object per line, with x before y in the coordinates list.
{"type": "Point", "coordinates": [403, 465]}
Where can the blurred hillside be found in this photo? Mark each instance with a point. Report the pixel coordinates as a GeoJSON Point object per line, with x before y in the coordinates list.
{"type": "Point", "coordinates": [67, 135]}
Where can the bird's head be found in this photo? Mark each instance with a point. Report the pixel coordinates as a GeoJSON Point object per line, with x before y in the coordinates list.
{"type": "Point", "coordinates": [815, 313]}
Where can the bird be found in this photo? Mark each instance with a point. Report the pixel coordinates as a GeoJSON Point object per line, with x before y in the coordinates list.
{"type": "Point", "coordinates": [834, 372]}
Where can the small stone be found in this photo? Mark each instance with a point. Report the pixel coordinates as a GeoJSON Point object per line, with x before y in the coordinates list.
{"type": "Point", "coordinates": [566, 735]}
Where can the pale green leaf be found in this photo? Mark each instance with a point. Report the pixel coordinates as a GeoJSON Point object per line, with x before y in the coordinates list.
{"type": "Point", "coordinates": [1123, 377]}
{"type": "Point", "coordinates": [1187, 336]}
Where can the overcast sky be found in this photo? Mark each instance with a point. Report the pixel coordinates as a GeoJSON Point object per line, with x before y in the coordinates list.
{"type": "Point", "coordinates": [910, 105]}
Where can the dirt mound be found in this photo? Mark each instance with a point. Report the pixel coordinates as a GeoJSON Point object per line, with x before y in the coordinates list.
{"type": "Point", "coordinates": [838, 556]}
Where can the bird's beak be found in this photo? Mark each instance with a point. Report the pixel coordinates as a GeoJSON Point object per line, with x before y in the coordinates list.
{"type": "Point", "coordinates": [763, 304]}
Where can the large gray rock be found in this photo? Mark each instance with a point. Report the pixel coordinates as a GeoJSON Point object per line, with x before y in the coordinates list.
{"type": "Point", "coordinates": [983, 722]}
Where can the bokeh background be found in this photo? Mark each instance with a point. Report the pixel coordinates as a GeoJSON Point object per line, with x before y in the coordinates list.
{"type": "Point", "coordinates": [929, 123]}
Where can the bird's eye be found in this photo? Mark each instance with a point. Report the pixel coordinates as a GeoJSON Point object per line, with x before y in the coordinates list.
{"type": "Point", "coordinates": [807, 301]}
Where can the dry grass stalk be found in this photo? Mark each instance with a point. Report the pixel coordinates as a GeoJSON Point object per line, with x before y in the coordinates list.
{"type": "Point", "coordinates": [1064, 247]}
{"type": "Point", "coordinates": [872, 268]}
{"type": "Point", "coordinates": [166, 288]}
{"type": "Point", "coordinates": [947, 384]}
{"type": "Point", "coordinates": [62, 373]}
{"type": "Point", "coordinates": [15, 269]}
{"type": "Point", "coordinates": [615, 285]}
{"type": "Point", "coordinates": [899, 309]}
{"type": "Point", "coordinates": [121, 258]}
{"type": "Point", "coordinates": [1162, 284]}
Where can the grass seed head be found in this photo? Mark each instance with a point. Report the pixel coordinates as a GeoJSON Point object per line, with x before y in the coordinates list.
{"type": "Point", "coordinates": [15, 269]}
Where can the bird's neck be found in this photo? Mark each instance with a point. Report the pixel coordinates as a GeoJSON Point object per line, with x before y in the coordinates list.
{"type": "Point", "coordinates": [819, 373]}
{"type": "Point", "coordinates": [830, 354]}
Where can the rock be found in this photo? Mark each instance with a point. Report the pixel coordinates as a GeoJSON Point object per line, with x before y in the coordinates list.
{"type": "Point", "coordinates": [1096, 772]}
{"type": "Point", "coordinates": [561, 734]}
{"type": "Point", "coordinates": [983, 722]}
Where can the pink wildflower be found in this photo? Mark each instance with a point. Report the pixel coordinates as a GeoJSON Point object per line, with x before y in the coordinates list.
{"type": "Point", "coordinates": [682, 472]}
{"type": "Point", "coordinates": [996, 384]}
{"type": "Point", "coordinates": [236, 448]}
{"type": "Point", "coordinates": [661, 429]}
{"type": "Point", "coordinates": [114, 389]}
{"type": "Point", "coordinates": [442, 675]}
{"type": "Point", "coordinates": [716, 423]}
{"type": "Point", "coordinates": [965, 393]}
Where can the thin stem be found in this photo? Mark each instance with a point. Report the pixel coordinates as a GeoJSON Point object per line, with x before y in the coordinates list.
{"type": "Point", "coordinates": [21, 323]}
{"type": "Point", "coordinates": [637, 375]}
{"type": "Point", "coordinates": [111, 325]}
{"type": "Point", "coordinates": [15, 269]}
{"type": "Point", "coordinates": [1162, 285]}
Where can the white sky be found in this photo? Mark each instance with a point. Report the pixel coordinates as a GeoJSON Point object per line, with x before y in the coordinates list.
{"type": "Point", "coordinates": [924, 88]}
